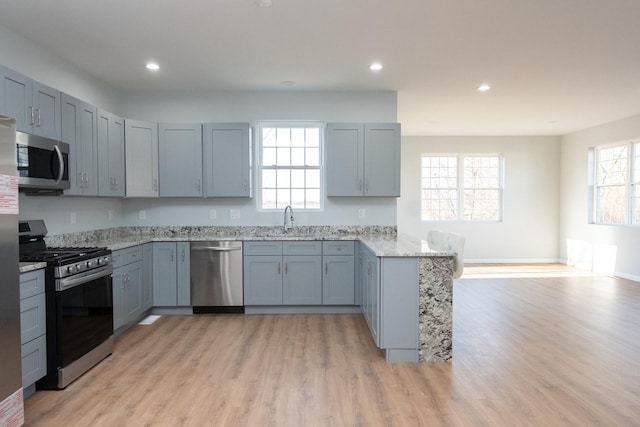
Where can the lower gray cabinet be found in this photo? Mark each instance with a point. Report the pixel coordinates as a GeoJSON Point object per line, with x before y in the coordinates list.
{"type": "Point", "coordinates": [283, 273]}
{"type": "Point", "coordinates": [370, 292]}
{"type": "Point", "coordinates": [171, 274]}
{"type": "Point", "coordinates": [33, 327]}
{"type": "Point", "coordinates": [147, 276]}
{"type": "Point", "coordinates": [127, 286]}
{"type": "Point", "coordinates": [338, 273]}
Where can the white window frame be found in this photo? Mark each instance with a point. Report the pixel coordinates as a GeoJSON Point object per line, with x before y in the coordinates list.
{"type": "Point", "coordinates": [259, 161]}
{"type": "Point", "coordinates": [460, 186]}
{"type": "Point", "coordinates": [631, 184]}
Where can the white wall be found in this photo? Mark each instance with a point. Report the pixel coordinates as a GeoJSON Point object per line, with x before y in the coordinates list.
{"type": "Point", "coordinates": [42, 65]}
{"type": "Point", "coordinates": [529, 230]}
{"type": "Point", "coordinates": [604, 248]}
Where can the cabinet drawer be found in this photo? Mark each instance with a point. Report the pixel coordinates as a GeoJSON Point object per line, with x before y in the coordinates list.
{"type": "Point", "coordinates": [302, 248]}
{"type": "Point", "coordinates": [262, 248]}
{"type": "Point", "coordinates": [31, 283]}
{"type": "Point", "coordinates": [338, 248]}
{"type": "Point", "coordinates": [32, 317]}
{"type": "Point", "coordinates": [126, 256]}
{"type": "Point", "coordinates": [34, 360]}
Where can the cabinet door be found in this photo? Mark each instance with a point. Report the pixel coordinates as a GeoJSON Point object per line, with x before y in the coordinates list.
{"type": "Point", "coordinates": [147, 276]}
{"type": "Point", "coordinates": [344, 148]}
{"type": "Point", "coordinates": [165, 287]}
{"type": "Point", "coordinates": [338, 279]}
{"type": "Point", "coordinates": [183, 273]}
{"type": "Point", "coordinates": [263, 280]}
{"type": "Point", "coordinates": [79, 131]}
{"type": "Point", "coordinates": [302, 280]}
{"type": "Point", "coordinates": [17, 99]}
{"type": "Point", "coordinates": [133, 292]}
{"type": "Point", "coordinates": [34, 360]}
{"type": "Point", "coordinates": [32, 318]}
{"type": "Point", "coordinates": [118, 277]}
{"type": "Point", "coordinates": [382, 159]}
{"type": "Point", "coordinates": [180, 160]}
{"type": "Point", "coordinates": [46, 105]}
{"type": "Point", "coordinates": [110, 155]}
{"type": "Point", "coordinates": [141, 154]}
{"type": "Point", "coordinates": [227, 159]}
{"type": "Point", "coordinates": [373, 294]}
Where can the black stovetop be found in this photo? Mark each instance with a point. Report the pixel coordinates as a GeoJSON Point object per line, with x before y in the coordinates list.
{"type": "Point", "coordinates": [62, 256]}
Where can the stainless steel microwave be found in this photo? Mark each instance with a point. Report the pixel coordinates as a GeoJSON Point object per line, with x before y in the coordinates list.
{"type": "Point", "coordinates": [43, 164]}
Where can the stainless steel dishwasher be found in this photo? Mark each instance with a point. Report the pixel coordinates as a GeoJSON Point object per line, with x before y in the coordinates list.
{"type": "Point", "coordinates": [216, 277]}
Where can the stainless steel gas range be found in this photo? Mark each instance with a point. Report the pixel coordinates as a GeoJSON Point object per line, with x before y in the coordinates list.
{"type": "Point", "coordinates": [78, 289]}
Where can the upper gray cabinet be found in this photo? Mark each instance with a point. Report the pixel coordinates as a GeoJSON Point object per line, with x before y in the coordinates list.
{"type": "Point", "coordinates": [227, 160]}
{"type": "Point", "coordinates": [35, 107]}
{"type": "Point", "coordinates": [111, 180]}
{"type": "Point", "coordinates": [141, 152]}
{"type": "Point", "coordinates": [79, 131]}
{"type": "Point", "coordinates": [180, 156]}
{"type": "Point", "coordinates": [363, 159]}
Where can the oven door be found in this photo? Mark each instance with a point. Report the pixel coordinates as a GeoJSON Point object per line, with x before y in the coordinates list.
{"type": "Point", "coordinates": [84, 305]}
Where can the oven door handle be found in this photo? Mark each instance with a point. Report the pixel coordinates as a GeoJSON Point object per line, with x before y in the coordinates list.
{"type": "Point", "coordinates": [79, 279]}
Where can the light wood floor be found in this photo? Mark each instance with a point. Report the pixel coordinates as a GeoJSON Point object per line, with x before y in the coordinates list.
{"type": "Point", "coordinates": [557, 350]}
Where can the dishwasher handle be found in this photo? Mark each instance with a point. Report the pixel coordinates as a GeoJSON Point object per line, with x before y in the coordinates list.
{"type": "Point", "coordinates": [215, 248]}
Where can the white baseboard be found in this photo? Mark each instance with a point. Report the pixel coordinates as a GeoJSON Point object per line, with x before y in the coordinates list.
{"type": "Point", "coordinates": [514, 261]}
{"type": "Point", "coordinates": [631, 277]}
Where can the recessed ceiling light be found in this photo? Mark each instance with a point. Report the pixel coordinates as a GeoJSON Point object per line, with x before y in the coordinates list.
{"type": "Point", "coordinates": [484, 87]}
{"type": "Point", "coordinates": [265, 3]}
{"type": "Point", "coordinates": [287, 83]}
{"type": "Point", "coordinates": [376, 66]}
{"type": "Point", "coordinates": [152, 66]}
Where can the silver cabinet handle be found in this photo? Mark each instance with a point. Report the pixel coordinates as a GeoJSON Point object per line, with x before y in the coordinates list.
{"type": "Point", "coordinates": [199, 184]}
{"type": "Point", "coordinates": [38, 123]}
{"type": "Point", "coordinates": [31, 117]}
{"type": "Point", "coordinates": [366, 188]}
{"type": "Point", "coordinates": [360, 184]}
{"type": "Point", "coordinates": [278, 268]}
{"type": "Point", "coordinates": [60, 164]}
{"type": "Point", "coordinates": [286, 268]}
{"type": "Point", "coordinates": [326, 268]}
{"type": "Point", "coordinates": [155, 184]}
{"type": "Point", "coordinates": [183, 255]}
{"type": "Point", "coordinates": [214, 248]}
{"type": "Point", "coordinates": [172, 256]}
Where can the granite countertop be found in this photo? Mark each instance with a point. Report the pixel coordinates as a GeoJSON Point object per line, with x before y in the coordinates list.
{"type": "Point", "coordinates": [26, 267]}
{"type": "Point", "coordinates": [381, 240]}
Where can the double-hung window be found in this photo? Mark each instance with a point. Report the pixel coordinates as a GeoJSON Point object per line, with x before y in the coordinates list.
{"type": "Point", "coordinates": [461, 187]}
{"type": "Point", "coordinates": [616, 186]}
{"type": "Point", "coordinates": [290, 165]}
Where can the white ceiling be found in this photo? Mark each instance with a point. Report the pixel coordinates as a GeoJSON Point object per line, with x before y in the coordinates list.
{"type": "Point", "coordinates": [555, 66]}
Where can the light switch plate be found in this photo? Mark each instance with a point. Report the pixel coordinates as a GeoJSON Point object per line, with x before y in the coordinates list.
{"type": "Point", "coordinates": [212, 214]}
{"type": "Point", "coordinates": [73, 217]}
{"type": "Point", "coordinates": [362, 213]}
{"type": "Point", "coordinates": [142, 214]}
{"type": "Point", "coordinates": [234, 214]}
{"type": "Point", "coordinates": [110, 215]}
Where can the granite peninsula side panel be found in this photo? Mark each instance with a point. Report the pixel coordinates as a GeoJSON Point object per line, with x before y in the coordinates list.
{"type": "Point", "coordinates": [435, 309]}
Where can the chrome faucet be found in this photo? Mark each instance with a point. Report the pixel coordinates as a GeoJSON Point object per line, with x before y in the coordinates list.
{"type": "Point", "coordinates": [286, 226]}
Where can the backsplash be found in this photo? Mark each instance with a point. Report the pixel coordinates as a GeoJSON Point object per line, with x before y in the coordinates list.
{"type": "Point", "coordinates": [134, 233]}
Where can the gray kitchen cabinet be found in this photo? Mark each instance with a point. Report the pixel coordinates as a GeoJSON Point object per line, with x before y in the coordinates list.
{"type": "Point", "coordinates": [111, 180]}
{"type": "Point", "coordinates": [262, 279]}
{"type": "Point", "coordinates": [180, 160]}
{"type": "Point", "coordinates": [227, 160]}
{"type": "Point", "coordinates": [127, 286]}
{"type": "Point", "coordinates": [33, 327]}
{"type": "Point", "coordinates": [79, 130]}
{"type": "Point", "coordinates": [283, 273]}
{"type": "Point", "coordinates": [338, 275]}
{"type": "Point", "coordinates": [171, 274]}
{"type": "Point", "coordinates": [147, 276]}
{"type": "Point", "coordinates": [371, 292]}
{"type": "Point", "coordinates": [363, 159]}
{"type": "Point", "coordinates": [141, 154]}
{"type": "Point", "coordinates": [35, 107]}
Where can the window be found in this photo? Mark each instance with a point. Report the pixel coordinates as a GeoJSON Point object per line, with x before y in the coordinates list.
{"type": "Point", "coordinates": [290, 165]}
{"type": "Point", "coordinates": [461, 187]}
{"type": "Point", "coordinates": [617, 184]}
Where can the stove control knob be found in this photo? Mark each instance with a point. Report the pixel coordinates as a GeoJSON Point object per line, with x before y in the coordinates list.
{"type": "Point", "coordinates": [78, 267]}
{"type": "Point", "coordinates": [90, 264]}
{"type": "Point", "coordinates": [106, 260]}
{"type": "Point", "coordinates": [70, 269]}
{"type": "Point", "coordinates": [99, 261]}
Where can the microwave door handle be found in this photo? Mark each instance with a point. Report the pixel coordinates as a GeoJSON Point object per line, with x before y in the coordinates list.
{"type": "Point", "coordinates": [60, 162]}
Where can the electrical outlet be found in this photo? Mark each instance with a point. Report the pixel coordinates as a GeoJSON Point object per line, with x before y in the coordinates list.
{"type": "Point", "coordinates": [362, 213]}
{"type": "Point", "coordinates": [212, 214]}
{"type": "Point", "coordinates": [142, 214]}
{"type": "Point", "coordinates": [110, 215]}
{"type": "Point", "coordinates": [73, 217]}
{"type": "Point", "coordinates": [234, 214]}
